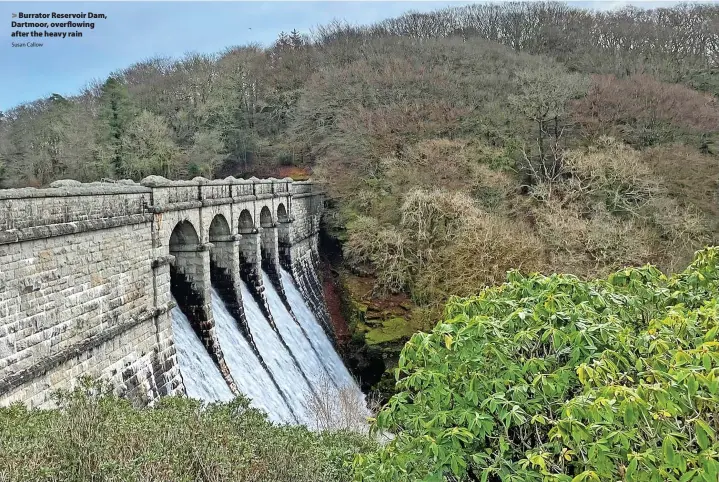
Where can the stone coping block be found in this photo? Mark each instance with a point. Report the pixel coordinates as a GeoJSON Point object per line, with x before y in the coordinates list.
{"type": "Point", "coordinates": [159, 181]}
{"type": "Point", "coordinates": [69, 187]}
{"type": "Point", "coordinates": [79, 189]}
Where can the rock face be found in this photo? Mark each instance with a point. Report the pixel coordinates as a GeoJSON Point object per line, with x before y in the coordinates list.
{"type": "Point", "coordinates": [87, 274]}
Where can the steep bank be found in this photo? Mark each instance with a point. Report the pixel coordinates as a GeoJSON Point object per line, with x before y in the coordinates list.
{"type": "Point", "coordinates": [371, 328]}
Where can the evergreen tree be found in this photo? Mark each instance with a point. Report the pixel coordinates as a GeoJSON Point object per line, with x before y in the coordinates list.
{"type": "Point", "coordinates": [295, 39]}
{"type": "Point", "coordinates": [116, 113]}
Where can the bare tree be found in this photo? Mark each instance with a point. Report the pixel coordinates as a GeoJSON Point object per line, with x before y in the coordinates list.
{"type": "Point", "coordinates": [333, 408]}
{"type": "Point", "coordinates": [543, 99]}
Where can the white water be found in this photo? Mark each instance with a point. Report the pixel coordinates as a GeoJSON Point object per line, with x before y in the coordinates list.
{"type": "Point", "coordinates": [292, 334]}
{"type": "Point", "coordinates": [340, 403]}
{"type": "Point", "coordinates": [277, 358]}
{"type": "Point", "coordinates": [201, 376]}
{"type": "Point", "coordinates": [322, 344]}
{"type": "Point", "coordinates": [249, 375]}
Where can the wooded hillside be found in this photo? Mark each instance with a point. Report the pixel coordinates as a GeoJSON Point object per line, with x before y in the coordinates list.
{"type": "Point", "coordinates": [455, 145]}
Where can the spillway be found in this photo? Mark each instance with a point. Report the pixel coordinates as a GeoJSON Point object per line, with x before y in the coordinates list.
{"type": "Point", "coordinates": [246, 369]}
{"type": "Point", "coordinates": [305, 381]}
{"type": "Point", "coordinates": [322, 344]}
{"type": "Point", "coordinates": [292, 334]}
{"type": "Point", "coordinates": [201, 376]}
{"type": "Point", "coordinates": [278, 359]}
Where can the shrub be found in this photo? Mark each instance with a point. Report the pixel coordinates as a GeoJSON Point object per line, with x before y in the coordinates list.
{"type": "Point", "coordinates": [383, 247]}
{"type": "Point", "coordinates": [645, 111]}
{"type": "Point", "coordinates": [550, 378]}
{"type": "Point", "coordinates": [612, 209]}
{"type": "Point", "coordinates": [613, 173]}
{"type": "Point", "coordinates": [96, 436]}
{"type": "Point", "coordinates": [691, 177]}
{"type": "Point", "coordinates": [443, 244]}
{"type": "Point", "coordinates": [480, 254]}
{"type": "Point", "coordinates": [333, 408]}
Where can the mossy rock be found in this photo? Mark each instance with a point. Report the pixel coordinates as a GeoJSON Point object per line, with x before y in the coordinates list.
{"type": "Point", "coordinates": [374, 321]}
{"type": "Point", "coordinates": [374, 315]}
{"type": "Point", "coordinates": [406, 306]}
{"type": "Point", "coordinates": [391, 330]}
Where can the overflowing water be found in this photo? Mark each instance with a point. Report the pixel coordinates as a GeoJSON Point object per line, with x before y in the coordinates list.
{"type": "Point", "coordinates": [278, 359]}
{"type": "Point", "coordinates": [322, 344]}
{"type": "Point", "coordinates": [305, 381]}
{"type": "Point", "coordinates": [202, 378]}
{"type": "Point", "coordinates": [249, 375]}
{"type": "Point", "coordinates": [292, 334]}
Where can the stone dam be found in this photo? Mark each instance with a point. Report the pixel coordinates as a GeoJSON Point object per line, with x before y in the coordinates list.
{"type": "Point", "coordinates": [94, 279]}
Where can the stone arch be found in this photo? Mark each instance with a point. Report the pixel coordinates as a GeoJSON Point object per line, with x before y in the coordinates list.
{"type": "Point", "coordinates": [269, 243]}
{"type": "Point", "coordinates": [189, 281]}
{"type": "Point", "coordinates": [219, 228]}
{"type": "Point", "coordinates": [184, 233]}
{"type": "Point", "coordinates": [282, 215]}
{"type": "Point", "coordinates": [246, 223]}
{"type": "Point", "coordinates": [266, 220]}
{"type": "Point", "coordinates": [190, 284]}
{"type": "Point", "coordinates": [220, 235]}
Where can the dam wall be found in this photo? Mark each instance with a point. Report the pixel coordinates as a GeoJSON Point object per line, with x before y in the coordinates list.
{"type": "Point", "coordinates": [88, 273]}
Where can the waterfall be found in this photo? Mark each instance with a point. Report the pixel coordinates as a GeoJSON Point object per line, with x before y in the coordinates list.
{"type": "Point", "coordinates": [278, 359]}
{"type": "Point", "coordinates": [336, 401]}
{"type": "Point", "coordinates": [294, 337]}
{"type": "Point", "coordinates": [331, 360]}
{"type": "Point", "coordinates": [249, 375]}
{"type": "Point", "coordinates": [307, 382]}
{"type": "Point", "coordinates": [202, 378]}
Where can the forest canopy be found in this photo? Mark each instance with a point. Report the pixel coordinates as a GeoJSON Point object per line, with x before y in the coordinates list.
{"type": "Point", "coordinates": [453, 144]}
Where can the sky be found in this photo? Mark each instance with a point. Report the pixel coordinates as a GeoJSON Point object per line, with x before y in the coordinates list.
{"type": "Point", "coordinates": [135, 31]}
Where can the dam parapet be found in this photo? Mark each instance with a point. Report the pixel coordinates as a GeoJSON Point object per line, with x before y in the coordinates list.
{"type": "Point", "coordinates": [88, 273]}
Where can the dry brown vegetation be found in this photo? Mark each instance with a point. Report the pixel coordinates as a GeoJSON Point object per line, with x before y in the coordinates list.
{"type": "Point", "coordinates": [689, 175]}
{"type": "Point", "coordinates": [644, 111]}
{"type": "Point", "coordinates": [606, 210]}
{"type": "Point", "coordinates": [338, 409]}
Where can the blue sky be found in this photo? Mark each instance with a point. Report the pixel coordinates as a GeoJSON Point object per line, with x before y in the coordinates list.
{"type": "Point", "coordinates": [135, 31]}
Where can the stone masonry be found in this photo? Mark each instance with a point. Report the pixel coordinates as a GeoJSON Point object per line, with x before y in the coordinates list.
{"type": "Point", "coordinates": [86, 272]}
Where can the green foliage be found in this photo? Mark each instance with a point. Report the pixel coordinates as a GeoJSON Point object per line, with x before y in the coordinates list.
{"type": "Point", "coordinates": [116, 113]}
{"type": "Point", "coordinates": [96, 436]}
{"type": "Point", "coordinates": [206, 153]}
{"type": "Point", "coordinates": [550, 378]}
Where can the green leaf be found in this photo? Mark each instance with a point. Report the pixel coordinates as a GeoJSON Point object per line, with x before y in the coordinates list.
{"type": "Point", "coordinates": [692, 385]}
{"type": "Point", "coordinates": [631, 469]}
{"type": "Point", "coordinates": [707, 361]}
{"type": "Point", "coordinates": [704, 433]}
{"type": "Point", "coordinates": [668, 451]}
{"type": "Point", "coordinates": [630, 416]}
{"type": "Point", "coordinates": [688, 476]}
